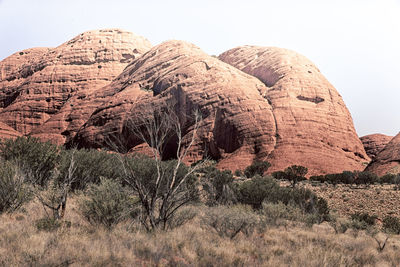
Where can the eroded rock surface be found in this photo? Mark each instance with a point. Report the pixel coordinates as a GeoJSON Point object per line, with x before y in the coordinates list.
{"type": "Point", "coordinates": [36, 83]}
{"type": "Point", "coordinates": [6, 132]}
{"type": "Point", "coordinates": [314, 127]}
{"type": "Point", "coordinates": [238, 122]}
{"type": "Point", "coordinates": [374, 143]}
{"type": "Point", "coordinates": [388, 159]}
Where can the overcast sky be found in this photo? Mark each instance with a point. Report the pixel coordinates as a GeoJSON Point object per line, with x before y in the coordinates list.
{"type": "Point", "coordinates": [355, 43]}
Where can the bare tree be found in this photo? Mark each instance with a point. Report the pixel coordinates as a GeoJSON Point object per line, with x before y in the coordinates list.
{"type": "Point", "coordinates": [172, 185]}
{"type": "Point", "coordinates": [55, 198]}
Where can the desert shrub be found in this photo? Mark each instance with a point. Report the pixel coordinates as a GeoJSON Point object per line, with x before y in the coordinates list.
{"type": "Point", "coordinates": [365, 177]}
{"type": "Point", "coordinates": [90, 165]}
{"type": "Point", "coordinates": [318, 178]}
{"type": "Point", "coordinates": [306, 200]}
{"type": "Point", "coordinates": [279, 175]}
{"type": "Point", "coordinates": [238, 173]}
{"type": "Point", "coordinates": [362, 221]}
{"type": "Point", "coordinates": [13, 191]}
{"type": "Point", "coordinates": [36, 159]}
{"type": "Point", "coordinates": [106, 204]}
{"type": "Point", "coordinates": [48, 224]}
{"type": "Point", "coordinates": [229, 221]}
{"type": "Point", "coordinates": [182, 216]}
{"type": "Point", "coordinates": [295, 174]}
{"type": "Point", "coordinates": [257, 168]}
{"type": "Point", "coordinates": [391, 225]}
{"type": "Point", "coordinates": [388, 178]}
{"type": "Point", "coordinates": [253, 192]}
{"type": "Point", "coordinates": [274, 212]}
{"type": "Point", "coordinates": [340, 225]}
{"type": "Point", "coordinates": [217, 184]}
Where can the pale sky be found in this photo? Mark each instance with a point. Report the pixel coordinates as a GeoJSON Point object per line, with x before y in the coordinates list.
{"type": "Point", "coordinates": [355, 43]}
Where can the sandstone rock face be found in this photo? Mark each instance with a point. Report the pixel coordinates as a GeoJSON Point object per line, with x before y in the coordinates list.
{"type": "Point", "coordinates": [313, 126]}
{"type": "Point", "coordinates": [36, 83]}
{"type": "Point", "coordinates": [6, 132]}
{"type": "Point", "coordinates": [294, 116]}
{"type": "Point", "coordinates": [257, 103]}
{"type": "Point", "coordinates": [388, 159]}
{"type": "Point", "coordinates": [374, 143]}
{"type": "Point", "coordinates": [238, 122]}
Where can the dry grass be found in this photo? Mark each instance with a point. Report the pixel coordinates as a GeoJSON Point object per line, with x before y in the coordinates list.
{"type": "Point", "coordinates": [192, 244]}
{"type": "Point", "coordinates": [380, 200]}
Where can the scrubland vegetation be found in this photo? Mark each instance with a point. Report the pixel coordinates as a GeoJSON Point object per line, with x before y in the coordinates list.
{"type": "Point", "coordinates": [76, 207]}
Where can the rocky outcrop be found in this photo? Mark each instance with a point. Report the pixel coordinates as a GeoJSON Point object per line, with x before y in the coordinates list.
{"type": "Point", "coordinates": [374, 143]}
{"type": "Point", "coordinates": [388, 159]}
{"type": "Point", "coordinates": [257, 103]}
{"type": "Point", "coordinates": [313, 126]}
{"type": "Point", "coordinates": [36, 83]}
{"type": "Point", "coordinates": [238, 122]}
{"type": "Point", "coordinates": [294, 116]}
{"type": "Point", "coordinates": [6, 132]}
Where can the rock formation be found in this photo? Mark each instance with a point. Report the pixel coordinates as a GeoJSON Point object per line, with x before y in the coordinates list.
{"type": "Point", "coordinates": [313, 126]}
{"type": "Point", "coordinates": [6, 132]}
{"type": "Point", "coordinates": [388, 159]}
{"type": "Point", "coordinates": [257, 103]}
{"type": "Point", "coordinates": [36, 83]}
{"type": "Point", "coordinates": [374, 143]}
{"type": "Point", "coordinates": [238, 122]}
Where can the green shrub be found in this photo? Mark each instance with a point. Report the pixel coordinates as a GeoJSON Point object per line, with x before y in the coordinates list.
{"type": "Point", "coordinates": [257, 168]}
{"type": "Point", "coordinates": [217, 184]}
{"type": "Point", "coordinates": [295, 174]}
{"type": "Point", "coordinates": [362, 221]}
{"type": "Point", "coordinates": [365, 177]}
{"type": "Point", "coordinates": [253, 192]}
{"type": "Point", "coordinates": [90, 166]}
{"type": "Point", "coordinates": [391, 225]}
{"type": "Point", "coordinates": [13, 191]}
{"type": "Point", "coordinates": [106, 204]}
{"type": "Point", "coordinates": [182, 216]}
{"type": "Point", "coordinates": [48, 224]}
{"type": "Point", "coordinates": [274, 212]}
{"type": "Point", "coordinates": [36, 159]}
{"type": "Point", "coordinates": [229, 221]}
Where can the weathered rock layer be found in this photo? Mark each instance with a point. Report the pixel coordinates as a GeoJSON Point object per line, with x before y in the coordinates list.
{"type": "Point", "coordinates": [388, 159]}
{"type": "Point", "coordinates": [314, 127]}
{"type": "Point", "coordinates": [36, 83]}
{"type": "Point", "coordinates": [257, 102]}
{"type": "Point", "coordinates": [374, 143]}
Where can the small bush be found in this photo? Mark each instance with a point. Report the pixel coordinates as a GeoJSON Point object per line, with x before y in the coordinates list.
{"type": "Point", "coordinates": [106, 204]}
{"type": "Point", "coordinates": [365, 178]}
{"type": "Point", "coordinates": [257, 168]}
{"type": "Point", "coordinates": [391, 225]}
{"type": "Point", "coordinates": [36, 159]}
{"type": "Point", "coordinates": [217, 185]}
{"type": "Point", "coordinates": [48, 224]}
{"type": "Point", "coordinates": [295, 174]}
{"type": "Point", "coordinates": [253, 192]}
{"type": "Point", "coordinates": [274, 212]}
{"type": "Point", "coordinates": [90, 166]}
{"type": "Point", "coordinates": [363, 221]}
{"type": "Point", "coordinates": [229, 221]}
{"type": "Point", "coordinates": [182, 216]}
{"type": "Point", "coordinates": [13, 191]}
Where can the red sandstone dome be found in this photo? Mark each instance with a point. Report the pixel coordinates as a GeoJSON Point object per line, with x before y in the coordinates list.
{"type": "Point", "coordinates": [374, 143]}
{"type": "Point", "coordinates": [388, 159]}
{"type": "Point", "coordinates": [313, 126]}
{"type": "Point", "coordinates": [36, 83]}
{"type": "Point", "coordinates": [257, 102]}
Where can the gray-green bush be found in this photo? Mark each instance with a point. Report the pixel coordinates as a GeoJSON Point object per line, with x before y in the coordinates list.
{"type": "Point", "coordinates": [229, 221]}
{"type": "Point", "coordinates": [13, 191]}
{"type": "Point", "coordinates": [107, 204]}
{"type": "Point", "coordinates": [36, 159]}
